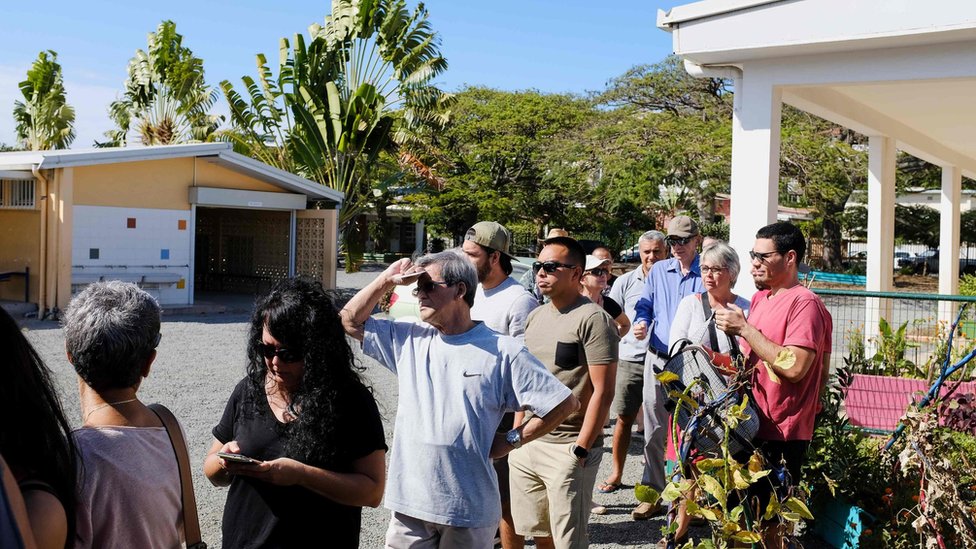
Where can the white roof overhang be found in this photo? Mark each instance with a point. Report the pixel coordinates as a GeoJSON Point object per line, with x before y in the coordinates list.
{"type": "Point", "coordinates": [884, 67]}
{"type": "Point", "coordinates": [218, 153]}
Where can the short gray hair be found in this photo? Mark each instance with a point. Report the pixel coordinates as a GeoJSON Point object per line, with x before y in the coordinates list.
{"type": "Point", "coordinates": [651, 236]}
{"type": "Point", "coordinates": [723, 254]}
{"type": "Point", "coordinates": [454, 268]}
{"type": "Point", "coordinates": [110, 330]}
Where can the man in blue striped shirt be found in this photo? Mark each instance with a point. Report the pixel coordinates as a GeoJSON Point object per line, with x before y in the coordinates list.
{"type": "Point", "coordinates": [665, 286]}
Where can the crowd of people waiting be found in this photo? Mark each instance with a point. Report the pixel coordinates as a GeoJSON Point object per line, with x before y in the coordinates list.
{"type": "Point", "coordinates": [503, 399]}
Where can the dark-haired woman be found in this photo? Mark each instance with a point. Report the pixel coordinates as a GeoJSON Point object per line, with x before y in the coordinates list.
{"type": "Point", "coordinates": [35, 439]}
{"type": "Point", "coordinates": [304, 414]}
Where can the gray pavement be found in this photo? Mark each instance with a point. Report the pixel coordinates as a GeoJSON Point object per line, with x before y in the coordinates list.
{"type": "Point", "coordinates": [200, 360]}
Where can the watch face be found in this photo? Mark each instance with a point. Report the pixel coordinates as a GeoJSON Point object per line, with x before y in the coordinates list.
{"type": "Point", "coordinates": [514, 438]}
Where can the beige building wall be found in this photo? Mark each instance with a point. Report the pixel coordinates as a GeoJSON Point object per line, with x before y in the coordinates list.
{"type": "Point", "coordinates": [158, 184]}
{"type": "Point", "coordinates": [20, 242]}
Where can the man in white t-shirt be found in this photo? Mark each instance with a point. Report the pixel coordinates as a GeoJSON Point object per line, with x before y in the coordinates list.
{"type": "Point", "coordinates": [503, 305]}
{"type": "Point", "coordinates": [456, 378]}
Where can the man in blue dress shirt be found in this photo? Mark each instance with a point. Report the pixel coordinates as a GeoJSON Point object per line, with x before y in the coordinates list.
{"type": "Point", "coordinates": [666, 285]}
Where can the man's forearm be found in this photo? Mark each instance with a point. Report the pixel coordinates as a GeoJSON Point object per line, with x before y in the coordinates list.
{"type": "Point", "coordinates": [598, 408]}
{"type": "Point", "coordinates": [358, 309]}
{"type": "Point", "coordinates": [540, 425]}
{"type": "Point", "coordinates": [790, 363]}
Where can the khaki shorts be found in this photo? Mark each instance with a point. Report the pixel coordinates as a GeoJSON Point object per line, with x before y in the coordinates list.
{"type": "Point", "coordinates": [628, 395]}
{"type": "Point", "coordinates": [551, 493]}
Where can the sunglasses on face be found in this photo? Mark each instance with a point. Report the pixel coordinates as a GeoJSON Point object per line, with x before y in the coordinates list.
{"type": "Point", "coordinates": [549, 266]}
{"type": "Point", "coordinates": [427, 286]}
{"type": "Point", "coordinates": [598, 272]}
{"type": "Point", "coordinates": [762, 257]}
{"type": "Point", "coordinates": [712, 270]}
{"type": "Point", "coordinates": [679, 241]}
{"type": "Point", "coordinates": [284, 355]}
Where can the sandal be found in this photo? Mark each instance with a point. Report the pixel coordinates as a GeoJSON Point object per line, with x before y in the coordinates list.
{"type": "Point", "coordinates": [609, 487]}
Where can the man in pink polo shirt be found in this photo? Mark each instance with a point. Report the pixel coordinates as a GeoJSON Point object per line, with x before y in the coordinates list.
{"type": "Point", "coordinates": [788, 338]}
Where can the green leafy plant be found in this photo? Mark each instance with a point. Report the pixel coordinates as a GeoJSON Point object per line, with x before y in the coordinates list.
{"type": "Point", "coordinates": [717, 487]}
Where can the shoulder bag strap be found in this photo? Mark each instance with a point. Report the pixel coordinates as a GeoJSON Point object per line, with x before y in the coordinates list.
{"type": "Point", "coordinates": [191, 523]}
{"type": "Point", "coordinates": [707, 309]}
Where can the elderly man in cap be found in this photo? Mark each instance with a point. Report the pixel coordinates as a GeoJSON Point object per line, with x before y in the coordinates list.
{"type": "Point", "coordinates": [503, 305]}
{"type": "Point", "coordinates": [667, 284]}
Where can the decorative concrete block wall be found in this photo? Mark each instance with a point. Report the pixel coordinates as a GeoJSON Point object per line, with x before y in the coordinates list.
{"type": "Point", "coordinates": [149, 247]}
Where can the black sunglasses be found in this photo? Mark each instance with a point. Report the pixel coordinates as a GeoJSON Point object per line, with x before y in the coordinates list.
{"type": "Point", "coordinates": [679, 241]}
{"type": "Point", "coordinates": [762, 257]}
{"type": "Point", "coordinates": [549, 266]}
{"type": "Point", "coordinates": [284, 355]}
{"type": "Point", "coordinates": [427, 285]}
{"type": "Point", "coordinates": [599, 272]}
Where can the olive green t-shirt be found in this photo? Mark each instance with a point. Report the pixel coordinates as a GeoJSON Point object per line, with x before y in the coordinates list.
{"type": "Point", "coordinates": [567, 341]}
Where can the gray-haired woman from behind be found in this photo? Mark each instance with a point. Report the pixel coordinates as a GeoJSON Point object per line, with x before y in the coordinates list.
{"type": "Point", "coordinates": [129, 495]}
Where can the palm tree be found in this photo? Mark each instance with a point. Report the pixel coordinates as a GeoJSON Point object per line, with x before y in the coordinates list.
{"type": "Point", "coordinates": [361, 86]}
{"type": "Point", "coordinates": [166, 99]}
{"type": "Point", "coordinates": [45, 120]}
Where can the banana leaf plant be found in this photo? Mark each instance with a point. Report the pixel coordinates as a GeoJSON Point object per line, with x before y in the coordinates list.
{"type": "Point", "coordinates": [359, 86]}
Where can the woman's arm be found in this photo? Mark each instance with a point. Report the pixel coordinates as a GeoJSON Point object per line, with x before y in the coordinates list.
{"type": "Point", "coordinates": [19, 509]}
{"type": "Point", "coordinates": [362, 487]}
{"type": "Point", "coordinates": [215, 468]}
{"type": "Point", "coordinates": [623, 324]}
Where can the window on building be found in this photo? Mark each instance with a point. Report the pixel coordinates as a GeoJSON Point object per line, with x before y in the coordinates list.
{"type": "Point", "coordinates": [17, 194]}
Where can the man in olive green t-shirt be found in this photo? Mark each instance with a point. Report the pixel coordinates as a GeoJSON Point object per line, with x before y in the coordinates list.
{"type": "Point", "coordinates": [552, 478]}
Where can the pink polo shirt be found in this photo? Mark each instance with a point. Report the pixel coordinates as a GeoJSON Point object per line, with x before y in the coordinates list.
{"type": "Point", "coordinates": [794, 317]}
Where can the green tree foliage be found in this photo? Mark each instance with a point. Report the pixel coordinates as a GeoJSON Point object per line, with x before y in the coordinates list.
{"type": "Point", "coordinates": [670, 140]}
{"type": "Point", "coordinates": [821, 160]}
{"type": "Point", "coordinates": [504, 161]}
{"type": "Point", "coordinates": [44, 119]}
{"type": "Point", "coordinates": [360, 85]}
{"type": "Point", "coordinates": [166, 99]}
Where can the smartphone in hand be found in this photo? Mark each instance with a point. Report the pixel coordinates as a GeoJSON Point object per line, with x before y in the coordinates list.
{"type": "Point", "coordinates": [237, 458]}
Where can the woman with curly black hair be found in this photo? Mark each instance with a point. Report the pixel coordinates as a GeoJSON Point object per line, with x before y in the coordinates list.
{"type": "Point", "coordinates": [35, 439]}
{"type": "Point", "coordinates": [307, 422]}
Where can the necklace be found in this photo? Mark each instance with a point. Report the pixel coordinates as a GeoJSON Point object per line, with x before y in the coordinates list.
{"type": "Point", "coordinates": [107, 404]}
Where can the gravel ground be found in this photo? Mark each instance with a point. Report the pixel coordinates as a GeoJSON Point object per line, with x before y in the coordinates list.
{"type": "Point", "coordinates": [200, 360]}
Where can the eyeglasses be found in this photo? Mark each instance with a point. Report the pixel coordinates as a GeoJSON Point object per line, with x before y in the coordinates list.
{"type": "Point", "coordinates": [712, 270]}
{"type": "Point", "coordinates": [762, 257]}
{"type": "Point", "coordinates": [549, 266]}
{"type": "Point", "coordinates": [284, 355]}
{"type": "Point", "coordinates": [599, 272]}
{"type": "Point", "coordinates": [679, 241]}
{"type": "Point", "coordinates": [428, 286]}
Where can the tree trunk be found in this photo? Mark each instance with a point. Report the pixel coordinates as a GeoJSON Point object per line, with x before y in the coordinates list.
{"type": "Point", "coordinates": [831, 243]}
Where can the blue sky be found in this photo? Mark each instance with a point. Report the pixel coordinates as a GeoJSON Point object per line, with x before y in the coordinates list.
{"type": "Point", "coordinates": [554, 46]}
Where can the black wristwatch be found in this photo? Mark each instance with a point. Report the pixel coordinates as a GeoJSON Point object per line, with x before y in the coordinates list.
{"type": "Point", "coordinates": [580, 452]}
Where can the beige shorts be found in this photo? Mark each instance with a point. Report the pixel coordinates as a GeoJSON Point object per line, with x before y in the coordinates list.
{"type": "Point", "coordinates": [628, 393]}
{"type": "Point", "coordinates": [551, 493]}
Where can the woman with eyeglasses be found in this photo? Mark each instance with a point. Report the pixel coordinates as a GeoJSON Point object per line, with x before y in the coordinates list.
{"type": "Point", "coordinates": [594, 283]}
{"type": "Point", "coordinates": [35, 441]}
{"type": "Point", "coordinates": [719, 266]}
{"type": "Point", "coordinates": [301, 442]}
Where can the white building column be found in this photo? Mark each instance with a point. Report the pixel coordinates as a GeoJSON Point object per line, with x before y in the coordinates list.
{"type": "Point", "coordinates": [949, 235]}
{"type": "Point", "coordinates": [755, 166]}
{"type": "Point", "coordinates": [881, 234]}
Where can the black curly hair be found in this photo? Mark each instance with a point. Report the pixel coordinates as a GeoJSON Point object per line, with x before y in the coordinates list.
{"type": "Point", "coordinates": [35, 438]}
{"type": "Point", "coordinates": [301, 315]}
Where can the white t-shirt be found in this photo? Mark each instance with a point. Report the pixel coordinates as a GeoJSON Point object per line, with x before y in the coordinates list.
{"type": "Point", "coordinates": [453, 391]}
{"type": "Point", "coordinates": [689, 323]}
{"type": "Point", "coordinates": [504, 308]}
